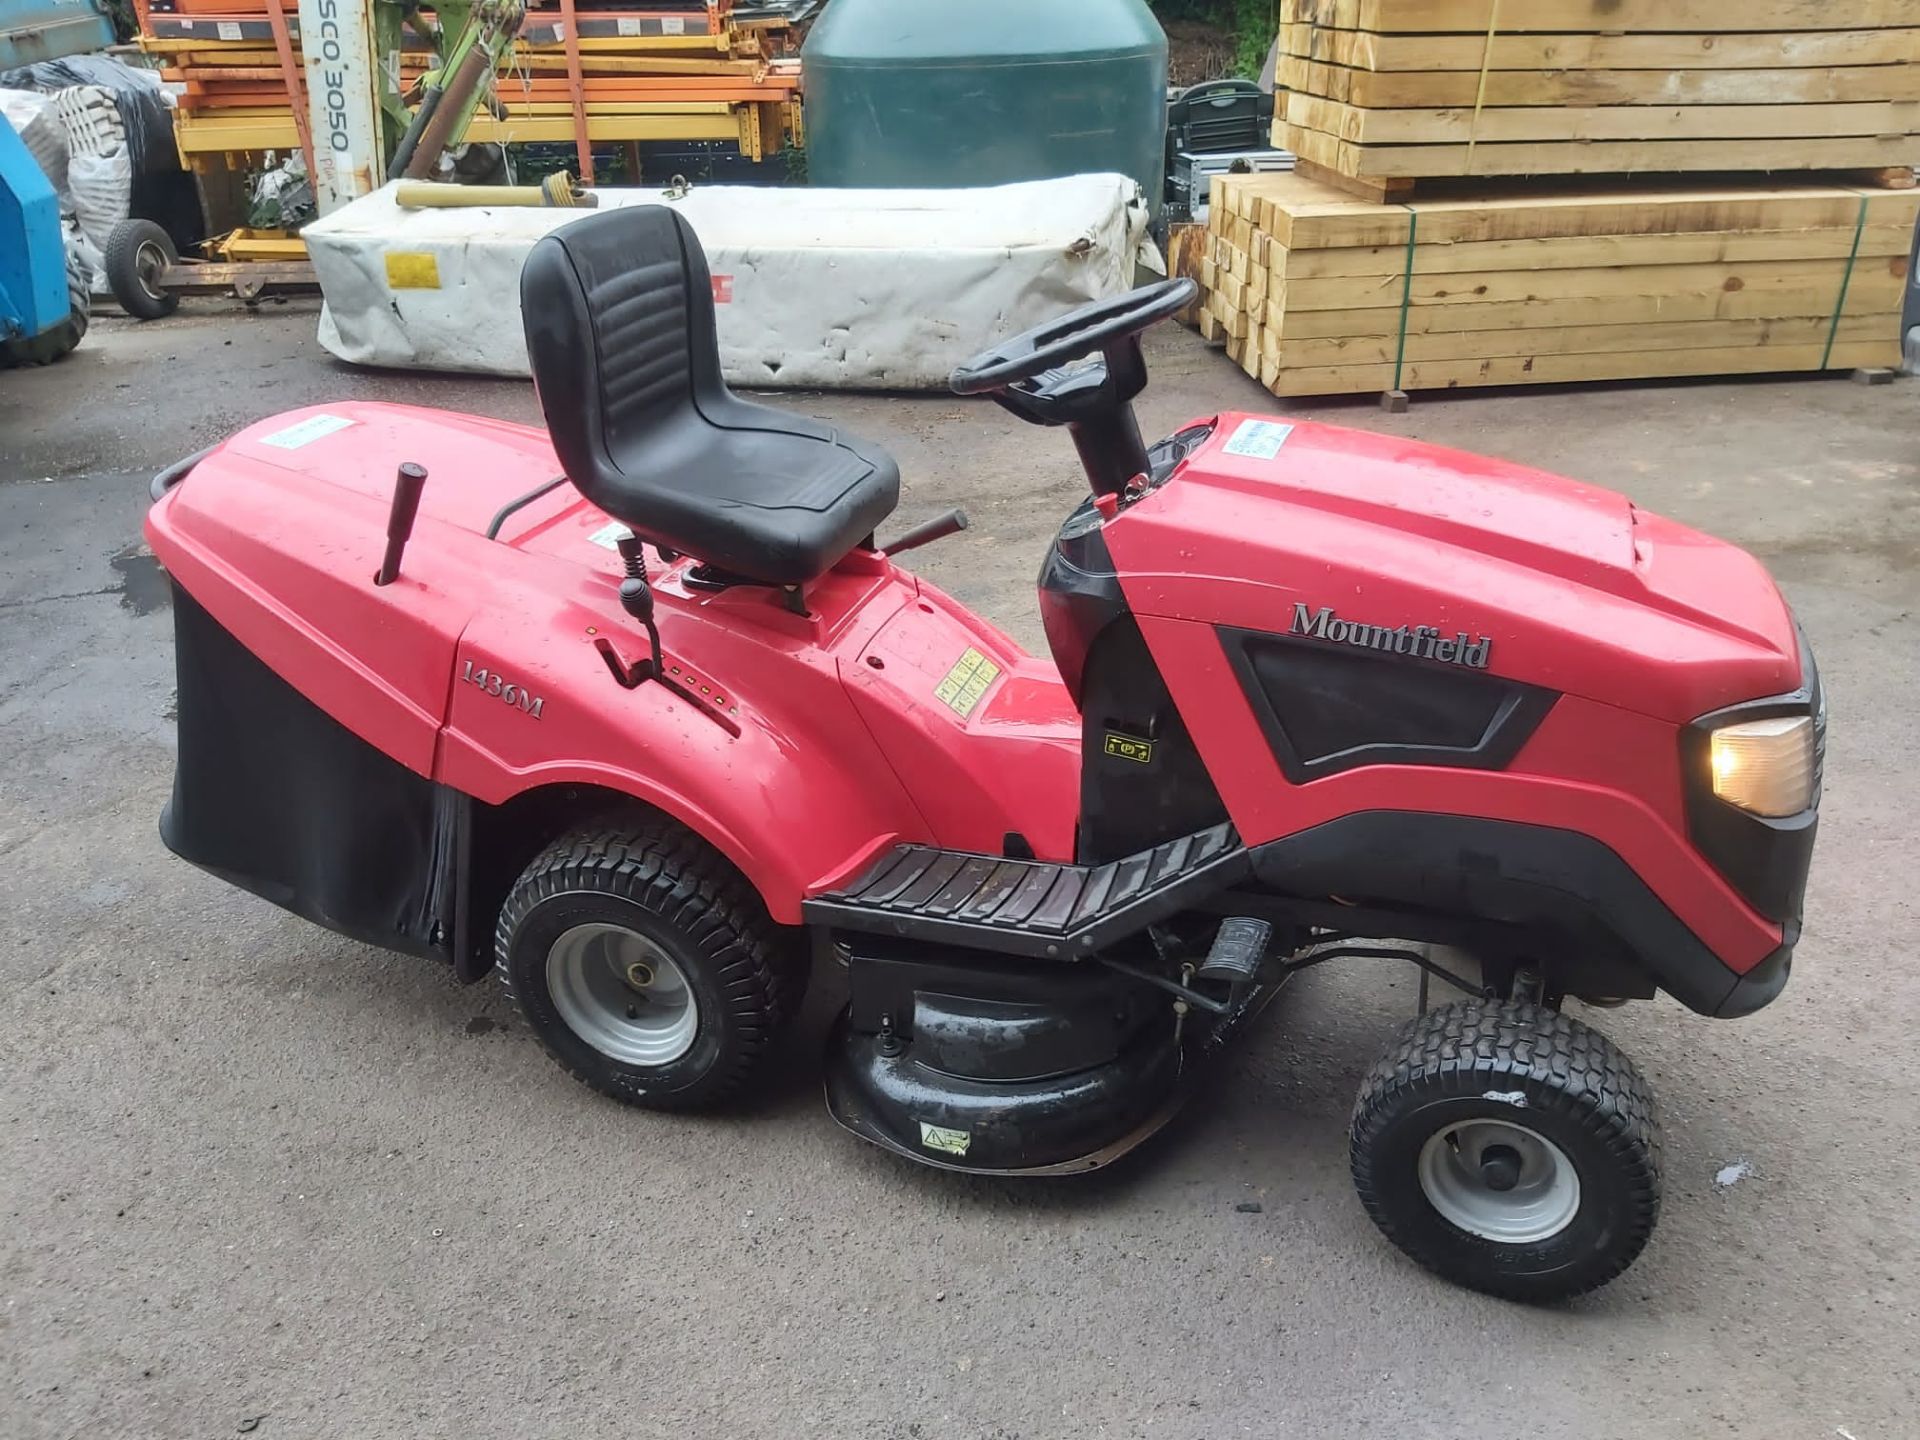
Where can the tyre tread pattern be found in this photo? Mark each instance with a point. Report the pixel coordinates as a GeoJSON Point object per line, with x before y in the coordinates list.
{"type": "Point", "coordinates": [675, 875]}
{"type": "Point", "coordinates": [1560, 1064]}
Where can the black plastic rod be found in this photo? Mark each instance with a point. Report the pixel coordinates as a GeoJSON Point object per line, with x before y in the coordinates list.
{"type": "Point", "coordinates": [406, 504]}
{"type": "Point", "coordinates": [927, 532]}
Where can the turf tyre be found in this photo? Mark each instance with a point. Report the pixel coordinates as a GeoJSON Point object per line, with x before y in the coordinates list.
{"type": "Point", "coordinates": [1519, 1065]}
{"type": "Point", "coordinates": [746, 974]}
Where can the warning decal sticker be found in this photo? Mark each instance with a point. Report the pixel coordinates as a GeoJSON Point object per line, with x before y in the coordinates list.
{"type": "Point", "coordinates": [966, 682]}
{"type": "Point", "coordinates": [938, 1137]}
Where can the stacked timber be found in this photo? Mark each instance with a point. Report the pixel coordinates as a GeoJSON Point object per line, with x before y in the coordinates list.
{"type": "Point", "coordinates": [1386, 92]}
{"type": "Point", "coordinates": [1315, 291]}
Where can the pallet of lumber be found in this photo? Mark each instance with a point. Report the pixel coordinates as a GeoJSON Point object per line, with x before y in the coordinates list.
{"type": "Point", "coordinates": [1387, 92]}
{"type": "Point", "coordinates": [1316, 292]}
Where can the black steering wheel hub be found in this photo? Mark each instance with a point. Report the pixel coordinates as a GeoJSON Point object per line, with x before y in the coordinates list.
{"type": "Point", "coordinates": [1082, 371]}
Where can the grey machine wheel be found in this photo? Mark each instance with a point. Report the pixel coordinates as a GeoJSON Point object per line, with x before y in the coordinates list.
{"type": "Point", "coordinates": [138, 255]}
{"type": "Point", "coordinates": [647, 966]}
{"type": "Point", "coordinates": [1509, 1148]}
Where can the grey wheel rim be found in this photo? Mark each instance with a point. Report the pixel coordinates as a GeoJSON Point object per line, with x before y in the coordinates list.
{"type": "Point", "coordinates": [1500, 1181]}
{"type": "Point", "coordinates": [622, 994]}
{"type": "Point", "coordinates": [150, 263]}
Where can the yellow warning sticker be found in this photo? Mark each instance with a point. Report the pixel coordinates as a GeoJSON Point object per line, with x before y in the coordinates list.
{"type": "Point", "coordinates": [966, 682]}
{"type": "Point", "coordinates": [1126, 747]}
{"type": "Point", "coordinates": [938, 1137]}
{"type": "Point", "coordinates": [413, 270]}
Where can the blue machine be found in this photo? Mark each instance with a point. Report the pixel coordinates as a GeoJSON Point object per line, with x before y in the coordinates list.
{"type": "Point", "coordinates": [35, 30]}
{"type": "Point", "coordinates": [43, 305]}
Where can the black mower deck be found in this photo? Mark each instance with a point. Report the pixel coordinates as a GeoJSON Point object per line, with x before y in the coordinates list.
{"type": "Point", "coordinates": [1030, 907]}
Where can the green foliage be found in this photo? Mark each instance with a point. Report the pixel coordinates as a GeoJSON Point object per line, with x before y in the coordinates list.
{"type": "Point", "coordinates": [1252, 23]}
{"type": "Point", "coordinates": [1255, 25]}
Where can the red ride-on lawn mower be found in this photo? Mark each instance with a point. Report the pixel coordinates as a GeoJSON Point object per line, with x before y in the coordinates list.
{"type": "Point", "coordinates": [641, 736]}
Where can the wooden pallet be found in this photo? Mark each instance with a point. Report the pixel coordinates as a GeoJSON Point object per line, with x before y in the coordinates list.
{"type": "Point", "coordinates": [1390, 91]}
{"type": "Point", "coordinates": [1314, 291]}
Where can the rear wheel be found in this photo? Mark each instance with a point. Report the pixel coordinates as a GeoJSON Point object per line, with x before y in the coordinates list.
{"type": "Point", "coordinates": [647, 967]}
{"type": "Point", "coordinates": [138, 255]}
{"type": "Point", "coordinates": [1510, 1149]}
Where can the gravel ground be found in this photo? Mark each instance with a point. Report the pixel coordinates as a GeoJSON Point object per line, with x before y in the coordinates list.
{"type": "Point", "coordinates": [258, 1179]}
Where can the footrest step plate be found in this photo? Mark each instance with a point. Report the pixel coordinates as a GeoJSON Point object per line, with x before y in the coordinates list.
{"type": "Point", "coordinates": [1030, 907]}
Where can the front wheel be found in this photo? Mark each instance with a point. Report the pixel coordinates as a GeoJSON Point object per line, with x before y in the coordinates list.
{"type": "Point", "coordinates": [1510, 1149]}
{"type": "Point", "coordinates": [647, 967]}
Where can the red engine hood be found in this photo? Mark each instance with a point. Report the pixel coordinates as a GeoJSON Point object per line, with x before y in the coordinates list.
{"type": "Point", "coordinates": [1580, 589]}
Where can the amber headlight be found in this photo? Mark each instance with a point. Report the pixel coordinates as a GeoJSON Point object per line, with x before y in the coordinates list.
{"type": "Point", "coordinates": [1766, 767]}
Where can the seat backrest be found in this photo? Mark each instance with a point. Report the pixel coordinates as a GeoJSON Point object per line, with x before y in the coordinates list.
{"type": "Point", "coordinates": [618, 308]}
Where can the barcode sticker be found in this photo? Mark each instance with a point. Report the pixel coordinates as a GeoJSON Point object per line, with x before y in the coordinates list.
{"type": "Point", "coordinates": [673, 25]}
{"type": "Point", "coordinates": [627, 25]}
{"type": "Point", "coordinates": [229, 29]}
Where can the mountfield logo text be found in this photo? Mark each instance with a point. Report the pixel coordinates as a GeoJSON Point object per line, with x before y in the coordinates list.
{"type": "Point", "coordinates": [1421, 641]}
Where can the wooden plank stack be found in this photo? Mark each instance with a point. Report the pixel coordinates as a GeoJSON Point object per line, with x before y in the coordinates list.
{"type": "Point", "coordinates": [1390, 91]}
{"type": "Point", "coordinates": [1315, 291]}
{"type": "Point", "coordinates": [1502, 192]}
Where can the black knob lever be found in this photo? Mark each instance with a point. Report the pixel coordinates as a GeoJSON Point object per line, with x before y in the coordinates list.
{"type": "Point", "coordinates": [927, 532]}
{"type": "Point", "coordinates": [636, 595]}
{"type": "Point", "coordinates": [407, 486]}
{"type": "Point", "coordinates": [636, 598]}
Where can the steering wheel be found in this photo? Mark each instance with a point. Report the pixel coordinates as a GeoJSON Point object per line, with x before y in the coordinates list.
{"type": "Point", "coordinates": [1034, 376]}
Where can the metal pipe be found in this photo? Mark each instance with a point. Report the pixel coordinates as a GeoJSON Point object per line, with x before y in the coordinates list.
{"type": "Point", "coordinates": [433, 195]}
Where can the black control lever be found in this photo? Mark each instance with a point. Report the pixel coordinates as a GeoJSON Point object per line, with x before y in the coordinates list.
{"type": "Point", "coordinates": [927, 532]}
{"type": "Point", "coordinates": [636, 598]}
{"type": "Point", "coordinates": [407, 486]}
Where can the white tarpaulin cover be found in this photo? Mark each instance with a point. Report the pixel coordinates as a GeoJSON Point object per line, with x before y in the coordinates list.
{"type": "Point", "coordinates": [859, 289]}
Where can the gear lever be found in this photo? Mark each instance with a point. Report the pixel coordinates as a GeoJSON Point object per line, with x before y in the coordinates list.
{"type": "Point", "coordinates": [636, 598]}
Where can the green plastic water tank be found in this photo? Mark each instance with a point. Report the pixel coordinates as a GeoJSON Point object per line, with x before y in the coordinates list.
{"type": "Point", "coordinates": [931, 94]}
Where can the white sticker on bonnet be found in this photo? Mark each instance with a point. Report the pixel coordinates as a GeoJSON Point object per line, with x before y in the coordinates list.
{"type": "Point", "coordinates": [1258, 439]}
{"type": "Point", "coordinates": [314, 427]}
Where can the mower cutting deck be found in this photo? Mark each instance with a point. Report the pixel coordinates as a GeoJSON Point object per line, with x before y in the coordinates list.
{"type": "Point", "coordinates": [638, 713]}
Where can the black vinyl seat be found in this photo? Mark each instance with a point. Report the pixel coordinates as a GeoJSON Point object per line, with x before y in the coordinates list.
{"type": "Point", "coordinates": [619, 318]}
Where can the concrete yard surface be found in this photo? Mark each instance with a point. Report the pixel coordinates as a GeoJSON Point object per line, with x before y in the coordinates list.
{"type": "Point", "coordinates": [255, 1178]}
